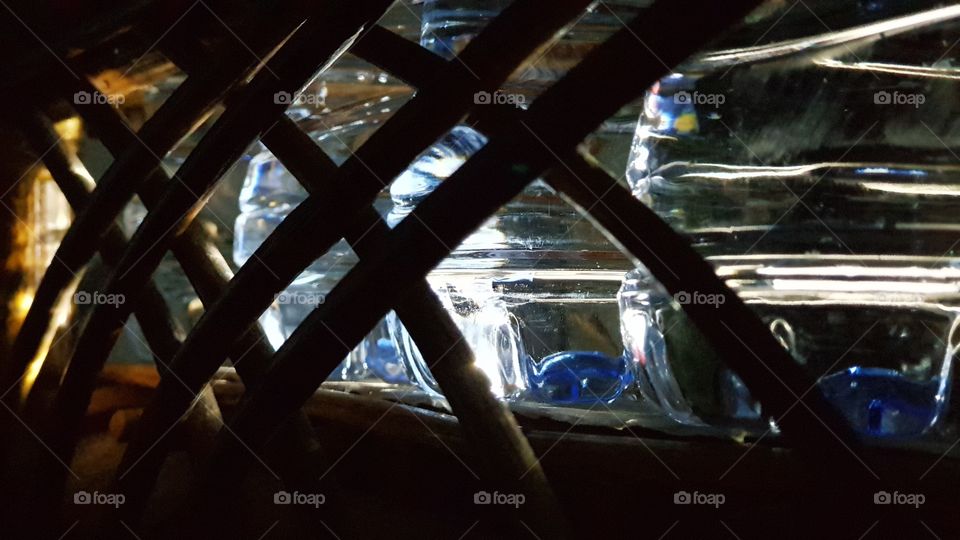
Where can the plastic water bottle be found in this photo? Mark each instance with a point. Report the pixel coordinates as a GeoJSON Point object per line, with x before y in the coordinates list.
{"type": "Point", "coordinates": [534, 289]}
{"type": "Point", "coordinates": [814, 170]}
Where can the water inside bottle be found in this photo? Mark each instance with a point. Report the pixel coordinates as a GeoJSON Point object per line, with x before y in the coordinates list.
{"type": "Point", "coordinates": [816, 174]}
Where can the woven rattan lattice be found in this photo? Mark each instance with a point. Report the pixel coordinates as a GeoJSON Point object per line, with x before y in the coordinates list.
{"type": "Point", "coordinates": [224, 69]}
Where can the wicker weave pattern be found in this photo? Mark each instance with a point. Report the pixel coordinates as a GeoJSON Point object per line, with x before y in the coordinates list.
{"type": "Point", "coordinates": [523, 145]}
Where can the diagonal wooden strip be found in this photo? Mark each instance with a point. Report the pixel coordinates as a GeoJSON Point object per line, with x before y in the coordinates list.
{"type": "Point", "coordinates": [400, 57]}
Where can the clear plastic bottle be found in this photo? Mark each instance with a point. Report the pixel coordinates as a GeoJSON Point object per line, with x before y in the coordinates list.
{"type": "Point", "coordinates": [814, 171]}
{"type": "Point", "coordinates": [534, 289]}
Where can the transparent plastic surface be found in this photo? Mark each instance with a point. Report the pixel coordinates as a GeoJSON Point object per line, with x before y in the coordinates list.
{"type": "Point", "coordinates": [534, 288]}
{"type": "Point", "coordinates": [815, 172]}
